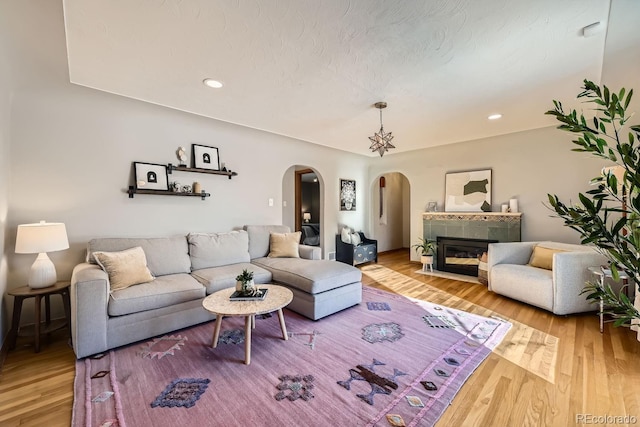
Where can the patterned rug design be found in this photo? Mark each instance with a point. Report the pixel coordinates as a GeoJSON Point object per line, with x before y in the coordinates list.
{"type": "Point", "coordinates": [387, 361]}
{"type": "Point", "coordinates": [528, 347]}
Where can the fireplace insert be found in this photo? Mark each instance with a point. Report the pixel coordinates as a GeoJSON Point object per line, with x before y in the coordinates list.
{"type": "Point", "coordinates": [461, 255]}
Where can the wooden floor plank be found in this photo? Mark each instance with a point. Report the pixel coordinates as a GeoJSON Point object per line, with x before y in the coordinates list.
{"type": "Point", "coordinates": [545, 372]}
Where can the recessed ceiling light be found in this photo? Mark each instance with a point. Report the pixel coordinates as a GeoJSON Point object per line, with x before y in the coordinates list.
{"type": "Point", "coordinates": [212, 83]}
{"type": "Point", "coordinates": [494, 116]}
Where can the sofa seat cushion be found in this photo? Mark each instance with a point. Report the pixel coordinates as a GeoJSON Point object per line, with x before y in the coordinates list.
{"type": "Point", "coordinates": [524, 283]}
{"type": "Point", "coordinates": [216, 278]}
{"type": "Point", "coordinates": [310, 276]}
{"type": "Point", "coordinates": [162, 292]}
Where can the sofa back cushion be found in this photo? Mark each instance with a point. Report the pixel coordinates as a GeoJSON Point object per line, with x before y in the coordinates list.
{"type": "Point", "coordinates": [218, 249]}
{"type": "Point", "coordinates": [259, 238]}
{"type": "Point", "coordinates": [165, 255]}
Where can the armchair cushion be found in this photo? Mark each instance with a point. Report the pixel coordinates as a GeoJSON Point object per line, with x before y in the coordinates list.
{"type": "Point", "coordinates": [542, 257]}
{"type": "Point", "coordinates": [345, 235]}
{"type": "Point", "coordinates": [355, 239]}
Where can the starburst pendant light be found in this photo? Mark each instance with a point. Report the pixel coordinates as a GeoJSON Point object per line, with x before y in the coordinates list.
{"type": "Point", "coordinates": [381, 141]}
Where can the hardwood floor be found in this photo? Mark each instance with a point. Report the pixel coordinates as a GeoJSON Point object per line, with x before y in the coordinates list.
{"type": "Point", "coordinates": [547, 372]}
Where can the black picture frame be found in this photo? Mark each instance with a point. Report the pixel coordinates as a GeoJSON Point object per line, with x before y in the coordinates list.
{"type": "Point", "coordinates": [151, 176]}
{"type": "Point", "coordinates": [347, 194]}
{"type": "Point", "coordinates": [205, 157]}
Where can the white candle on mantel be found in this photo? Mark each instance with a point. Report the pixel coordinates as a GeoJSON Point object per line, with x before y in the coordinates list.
{"type": "Point", "coordinates": [513, 205]}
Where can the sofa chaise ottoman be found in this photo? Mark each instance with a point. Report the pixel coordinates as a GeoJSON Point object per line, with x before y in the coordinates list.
{"type": "Point", "coordinates": [320, 287]}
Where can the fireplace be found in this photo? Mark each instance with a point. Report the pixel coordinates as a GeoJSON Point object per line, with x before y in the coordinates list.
{"type": "Point", "coordinates": [461, 255]}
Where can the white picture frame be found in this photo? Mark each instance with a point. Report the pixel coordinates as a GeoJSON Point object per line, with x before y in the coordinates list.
{"type": "Point", "coordinates": [205, 157]}
{"type": "Point", "coordinates": [151, 176]}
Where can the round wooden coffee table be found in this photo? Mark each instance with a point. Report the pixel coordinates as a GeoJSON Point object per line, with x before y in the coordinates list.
{"type": "Point", "coordinates": [219, 304]}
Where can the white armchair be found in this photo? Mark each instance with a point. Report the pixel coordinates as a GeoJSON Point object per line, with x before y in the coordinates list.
{"type": "Point", "coordinates": [556, 290]}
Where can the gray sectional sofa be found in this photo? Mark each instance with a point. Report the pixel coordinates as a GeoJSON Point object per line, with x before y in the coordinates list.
{"type": "Point", "coordinates": [186, 270]}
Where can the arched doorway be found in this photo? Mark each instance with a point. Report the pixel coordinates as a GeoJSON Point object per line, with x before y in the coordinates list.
{"type": "Point", "coordinates": [391, 211]}
{"type": "Point", "coordinates": [303, 192]}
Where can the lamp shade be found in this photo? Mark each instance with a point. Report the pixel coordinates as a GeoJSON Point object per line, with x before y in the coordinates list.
{"type": "Point", "coordinates": [41, 237]}
{"type": "Point", "coordinates": [306, 216]}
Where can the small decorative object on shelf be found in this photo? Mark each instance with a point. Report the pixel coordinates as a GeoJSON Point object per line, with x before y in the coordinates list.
{"type": "Point", "coordinates": [181, 153]}
{"type": "Point", "coordinates": [186, 189]}
{"type": "Point", "coordinates": [197, 188]}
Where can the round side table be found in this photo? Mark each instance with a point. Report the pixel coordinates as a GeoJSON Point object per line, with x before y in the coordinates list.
{"type": "Point", "coordinates": [39, 328]}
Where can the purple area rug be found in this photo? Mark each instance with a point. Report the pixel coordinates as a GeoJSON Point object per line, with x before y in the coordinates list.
{"type": "Point", "coordinates": [389, 361]}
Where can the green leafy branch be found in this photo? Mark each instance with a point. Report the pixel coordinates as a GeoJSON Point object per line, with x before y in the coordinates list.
{"type": "Point", "coordinates": [608, 215]}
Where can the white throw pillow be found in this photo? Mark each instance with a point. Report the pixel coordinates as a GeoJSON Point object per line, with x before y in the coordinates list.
{"type": "Point", "coordinates": [355, 239]}
{"type": "Point", "coordinates": [125, 268]}
{"type": "Point", "coordinates": [345, 235]}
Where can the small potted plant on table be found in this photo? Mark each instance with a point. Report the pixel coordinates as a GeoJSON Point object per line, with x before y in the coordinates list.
{"type": "Point", "coordinates": [426, 249]}
{"type": "Point", "coordinates": [245, 284]}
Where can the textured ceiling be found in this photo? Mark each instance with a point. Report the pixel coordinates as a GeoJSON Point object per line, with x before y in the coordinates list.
{"type": "Point", "coordinates": [313, 69]}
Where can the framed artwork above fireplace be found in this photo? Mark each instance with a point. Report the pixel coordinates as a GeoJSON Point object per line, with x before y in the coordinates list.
{"type": "Point", "coordinates": [468, 191]}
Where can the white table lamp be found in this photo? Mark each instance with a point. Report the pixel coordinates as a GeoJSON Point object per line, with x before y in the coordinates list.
{"type": "Point", "coordinates": [39, 239]}
{"type": "Point", "coordinates": [306, 216]}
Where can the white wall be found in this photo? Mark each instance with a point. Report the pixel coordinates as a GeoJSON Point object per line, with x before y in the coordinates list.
{"type": "Point", "coordinates": [622, 65]}
{"type": "Point", "coordinates": [526, 165]}
{"type": "Point", "coordinates": [72, 150]}
{"type": "Point", "coordinates": [5, 127]}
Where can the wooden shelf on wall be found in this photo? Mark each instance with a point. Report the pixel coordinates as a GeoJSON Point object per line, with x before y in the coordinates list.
{"type": "Point", "coordinates": [171, 168]}
{"type": "Point", "coordinates": [132, 191]}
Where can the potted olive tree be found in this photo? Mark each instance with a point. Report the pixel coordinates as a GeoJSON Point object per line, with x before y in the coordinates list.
{"type": "Point", "coordinates": [426, 249]}
{"type": "Point", "coordinates": [608, 215]}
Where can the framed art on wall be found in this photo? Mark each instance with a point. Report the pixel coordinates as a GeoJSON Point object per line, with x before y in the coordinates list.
{"type": "Point", "coordinates": [468, 191]}
{"type": "Point", "coordinates": [205, 157]}
{"type": "Point", "coordinates": [151, 176]}
{"type": "Point", "coordinates": [347, 195]}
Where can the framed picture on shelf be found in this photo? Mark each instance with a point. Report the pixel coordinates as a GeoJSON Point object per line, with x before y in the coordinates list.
{"type": "Point", "coordinates": [468, 191]}
{"type": "Point", "coordinates": [205, 157]}
{"type": "Point", "coordinates": [347, 195]}
{"type": "Point", "coordinates": [151, 176]}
